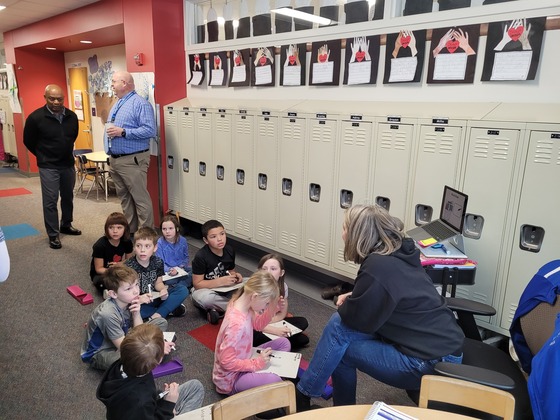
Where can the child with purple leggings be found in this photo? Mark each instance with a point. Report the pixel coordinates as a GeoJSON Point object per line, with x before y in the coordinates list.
{"type": "Point", "coordinates": [252, 307]}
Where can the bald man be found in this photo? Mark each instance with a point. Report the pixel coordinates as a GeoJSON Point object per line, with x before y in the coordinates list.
{"type": "Point", "coordinates": [50, 133]}
{"type": "Point", "coordinates": [127, 142]}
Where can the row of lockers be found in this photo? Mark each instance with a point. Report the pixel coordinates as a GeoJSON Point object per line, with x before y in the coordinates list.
{"type": "Point", "coordinates": [282, 181]}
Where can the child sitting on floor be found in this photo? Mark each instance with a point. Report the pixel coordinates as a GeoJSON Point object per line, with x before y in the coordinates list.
{"type": "Point", "coordinates": [111, 320]}
{"type": "Point", "coordinates": [214, 266]}
{"type": "Point", "coordinates": [128, 389]}
{"type": "Point", "coordinates": [150, 271]}
{"type": "Point", "coordinates": [112, 248]}
{"type": "Point", "coordinates": [173, 249]}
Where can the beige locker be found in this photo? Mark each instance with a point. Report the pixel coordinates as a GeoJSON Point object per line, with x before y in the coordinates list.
{"type": "Point", "coordinates": [391, 168]}
{"type": "Point", "coordinates": [172, 159]}
{"type": "Point", "coordinates": [223, 172]}
{"type": "Point", "coordinates": [319, 189]}
{"type": "Point", "coordinates": [488, 181]}
{"type": "Point", "coordinates": [264, 183]}
{"type": "Point", "coordinates": [290, 181]}
{"type": "Point", "coordinates": [243, 160]}
{"type": "Point", "coordinates": [352, 181]}
{"type": "Point", "coordinates": [204, 166]}
{"type": "Point", "coordinates": [437, 163]}
{"type": "Point", "coordinates": [189, 169]}
{"type": "Point", "coordinates": [536, 232]}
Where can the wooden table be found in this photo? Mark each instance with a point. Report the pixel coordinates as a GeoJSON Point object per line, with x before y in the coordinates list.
{"type": "Point", "coordinates": [358, 412]}
{"type": "Point", "coordinates": [100, 181]}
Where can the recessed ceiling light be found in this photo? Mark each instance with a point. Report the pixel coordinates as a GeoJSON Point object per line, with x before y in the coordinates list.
{"type": "Point", "coordinates": [86, 42]}
{"type": "Point", "coordinates": [50, 48]}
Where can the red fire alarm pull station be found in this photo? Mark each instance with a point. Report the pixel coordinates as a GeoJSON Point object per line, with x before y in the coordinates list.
{"type": "Point", "coordinates": [139, 59]}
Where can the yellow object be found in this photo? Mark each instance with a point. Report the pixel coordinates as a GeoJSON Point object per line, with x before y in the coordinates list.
{"type": "Point", "coordinates": [427, 242]}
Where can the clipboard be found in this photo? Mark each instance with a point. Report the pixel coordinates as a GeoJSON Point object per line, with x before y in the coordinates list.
{"type": "Point", "coordinates": [293, 329]}
{"type": "Point", "coordinates": [283, 363]}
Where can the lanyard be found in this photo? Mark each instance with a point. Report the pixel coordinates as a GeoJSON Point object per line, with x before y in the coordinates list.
{"type": "Point", "coordinates": [120, 103]}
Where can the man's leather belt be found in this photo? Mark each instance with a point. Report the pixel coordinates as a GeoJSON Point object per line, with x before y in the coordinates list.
{"type": "Point", "coordinates": [128, 154]}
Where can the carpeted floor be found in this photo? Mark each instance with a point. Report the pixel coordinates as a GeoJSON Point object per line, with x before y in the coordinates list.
{"type": "Point", "coordinates": [41, 325]}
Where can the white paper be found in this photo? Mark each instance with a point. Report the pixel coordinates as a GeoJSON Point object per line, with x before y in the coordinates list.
{"type": "Point", "coordinates": [263, 75]}
{"type": "Point", "coordinates": [323, 72]}
{"type": "Point", "coordinates": [513, 65]}
{"type": "Point", "coordinates": [217, 77]}
{"type": "Point", "coordinates": [359, 73]}
{"type": "Point", "coordinates": [225, 289]}
{"type": "Point", "coordinates": [283, 363]}
{"type": "Point", "coordinates": [168, 336]}
{"type": "Point", "coordinates": [293, 329]}
{"type": "Point", "coordinates": [292, 76]}
{"type": "Point", "coordinates": [196, 78]}
{"type": "Point", "coordinates": [403, 69]}
{"type": "Point", "coordinates": [202, 413]}
{"type": "Point", "coordinates": [239, 74]}
{"type": "Point", "coordinates": [450, 66]}
{"type": "Point", "coordinates": [180, 273]}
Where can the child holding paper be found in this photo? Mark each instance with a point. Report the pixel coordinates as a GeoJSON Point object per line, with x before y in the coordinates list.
{"type": "Point", "coordinates": [274, 264]}
{"type": "Point", "coordinates": [128, 389]}
{"type": "Point", "coordinates": [169, 301]}
{"type": "Point", "coordinates": [252, 307]}
{"type": "Point", "coordinates": [173, 249]}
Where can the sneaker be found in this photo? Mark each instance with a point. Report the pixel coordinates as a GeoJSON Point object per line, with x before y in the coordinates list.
{"type": "Point", "coordinates": [213, 316]}
{"type": "Point", "coordinates": [179, 311]}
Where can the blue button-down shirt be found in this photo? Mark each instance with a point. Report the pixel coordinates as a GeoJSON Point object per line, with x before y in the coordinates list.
{"type": "Point", "coordinates": [136, 116]}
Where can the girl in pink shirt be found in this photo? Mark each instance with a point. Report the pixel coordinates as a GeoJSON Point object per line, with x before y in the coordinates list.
{"type": "Point", "coordinates": [252, 307]}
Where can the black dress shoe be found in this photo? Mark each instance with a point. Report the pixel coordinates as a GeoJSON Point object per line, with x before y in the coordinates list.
{"type": "Point", "coordinates": [54, 242]}
{"type": "Point", "coordinates": [70, 230]}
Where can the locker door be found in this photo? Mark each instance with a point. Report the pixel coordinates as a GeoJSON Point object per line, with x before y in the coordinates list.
{"type": "Point", "coordinates": [243, 153]}
{"type": "Point", "coordinates": [351, 182]}
{"type": "Point", "coordinates": [392, 165]}
{"type": "Point", "coordinates": [172, 160]}
{"type": "Point", "coordinates": [319, 191]}
{"type": "Point", "coordinates": [189, 170]}
{"type": "Point", "coordinates": [204, 167]}
{"type": "Point", "coordinates": [488, 178]}
{"type": "Point", "coordinates": [537, 229]}
{"type": "Point", "coordinates": [266, 172]}
{"type": "Point", "coordinates": [437, 165]}
{"type": "Point", "coordinates": [291, 185]}
{"type": "Point", "coordinates": [223, 172]}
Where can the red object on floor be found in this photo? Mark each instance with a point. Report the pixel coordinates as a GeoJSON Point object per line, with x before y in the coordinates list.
{"type": "Point", "coordinates": [207, 335]}
{"type": "Point", "coordinates": [14, 191]}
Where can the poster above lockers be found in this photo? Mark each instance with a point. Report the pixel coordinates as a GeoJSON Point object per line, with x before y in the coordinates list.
{"type": "Point", "coordinates": [218, 69]}
{"type": "Point", "coordinates": [197, 67]}
{"type": "Point", "coordinates": [404, 56]}
{"type": "Point", "coordinates": [293, 60]}
{"type": "Point", "coordinates": [240, 65]}
{"type": "Point", "coordinates": [325, 63]}
{"type": "Point", "coordinates": [361, 60]}
{"type": "Point", "coordinates": [513, 49]}
{"type": "Point", "coordinates": [452, 55]}
{"type": "Point", "coordinates": [263, 69]}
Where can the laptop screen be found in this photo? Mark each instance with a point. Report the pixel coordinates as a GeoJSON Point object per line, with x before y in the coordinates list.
{"type": "Point", "coordinates": [453, 208]}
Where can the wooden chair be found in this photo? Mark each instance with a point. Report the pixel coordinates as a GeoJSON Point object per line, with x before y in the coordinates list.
{"type": "Point", "coordinates": [256, 400]}
{"type": "Point", "coordinates": [466, 394]}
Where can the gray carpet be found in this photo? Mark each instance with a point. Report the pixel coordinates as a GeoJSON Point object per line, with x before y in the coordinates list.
{"type": "Point", "coordinates": [41, 325]}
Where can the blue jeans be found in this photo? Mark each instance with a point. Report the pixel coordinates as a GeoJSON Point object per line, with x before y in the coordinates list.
{"type": "Point", "coordinates": [342, 350]}
{"type": "Point", "coordinates": [177, 294]}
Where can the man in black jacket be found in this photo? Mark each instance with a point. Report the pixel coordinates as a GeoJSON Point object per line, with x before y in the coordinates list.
{"type": "Point", "coordinates": [50, 133]}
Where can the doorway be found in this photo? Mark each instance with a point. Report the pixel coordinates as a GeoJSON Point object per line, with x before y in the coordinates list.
{"type": "Point", "coordinates": [79, 103]}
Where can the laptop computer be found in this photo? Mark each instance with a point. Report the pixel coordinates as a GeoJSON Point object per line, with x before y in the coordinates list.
{"type": "Point", "coordinates": [451, 218]}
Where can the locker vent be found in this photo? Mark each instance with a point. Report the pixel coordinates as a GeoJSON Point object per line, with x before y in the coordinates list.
{"type": "Point", "coordinates": [189, 208]}
{"type": "Point", "coordinates": [264, 232]}
{"type": "Point", "coordinates": [497, 149]}
{"type": "Point", "coordinates": [544, 152]}
{"type": "Point", "coordinates": [511, 313]}
{"type": "Point", "coordinates": [322, 134]}
{"type": "Point", "coordinates": [204, 123]}
{"type": "Point", "coordinates": [392, 140]}
{"type": "Point", "coordinates": [355, 137]}
{"type": "Point", "coordinates": [266, 129]}
{"type": "Point", "coordinates": [223, 217]}
{"type": "Point", "coordinates": [438, 144]}
{"type": "Point", "coordinates": [187, 123]}
{"type": "Point", "coordinates": [244, 127]}
{"type": "Point", "coordinates": [292, 131]}
{"type": "Point", "coordinates": [223, 126]}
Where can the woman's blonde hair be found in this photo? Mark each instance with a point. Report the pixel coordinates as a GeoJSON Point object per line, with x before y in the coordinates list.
{"type": "Point", "coordinates": [370, 229]}
{"type": "Point", "coordinates": [263, 284]}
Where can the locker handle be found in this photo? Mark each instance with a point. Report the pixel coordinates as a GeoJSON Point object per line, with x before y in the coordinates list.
{"type": "Point", "coordinates": [314, 192]}
{"type": "Point", "coordinates": [286, 186]}
{"type": "Point", "coordinates": [170, 162]}
{"type": "Point", "coordinates": [346, 198]}
{"type": "Point", "coordinates": [186, 165]}
{"type": "Point", "coordinates": [202, 168]}
{"type": "Point", "coordinates": [240, 176]}
{"type": "Point", "coordinates": [263, 181]}
{"type": "Point", "coordinates": [220, 172]}
{"type": "Point", "coordinates": [531, 238]}
{"type": "Point", "coordinates": [384, 202]}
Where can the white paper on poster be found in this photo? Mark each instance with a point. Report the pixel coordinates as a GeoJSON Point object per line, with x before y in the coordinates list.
{"type": "Point", "coordinates": [323, 72]}
{"type": "Point", "coordinates": [263, 75]}
{"type": "Point", "coordinates": [450, 66]}
{"type": "Point", "coordinates": [359, 73]}
{"type": "Point", "coordinates": [292, 76]}
{"type": "Point", "coordinates": [512, 65]}
{"type": "Point", "coordinates": [196, 78]}
{"type": "Point", "coordinates": [403, 69]}
{"type": "Point", "coordinates": [239, 74]}
{"type": "Point", "coordinates": [217, 77]}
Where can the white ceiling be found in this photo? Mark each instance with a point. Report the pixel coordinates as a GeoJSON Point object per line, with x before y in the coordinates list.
{"type": "Point", "coordinates": [19, 13]}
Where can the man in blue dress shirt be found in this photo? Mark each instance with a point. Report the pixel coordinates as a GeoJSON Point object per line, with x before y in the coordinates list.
{"type": "Point", "coordinates": [127, 142]}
